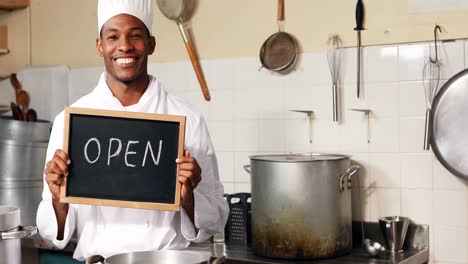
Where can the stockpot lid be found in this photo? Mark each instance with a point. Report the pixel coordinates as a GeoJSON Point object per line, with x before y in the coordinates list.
{"type": "Point", "coordinates": [9, 217]}
{"type": "Point", "coordinates": [299, 157]}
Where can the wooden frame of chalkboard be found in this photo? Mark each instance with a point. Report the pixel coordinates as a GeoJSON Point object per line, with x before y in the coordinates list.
{"type": "Point", "coordinates": [145, 178]}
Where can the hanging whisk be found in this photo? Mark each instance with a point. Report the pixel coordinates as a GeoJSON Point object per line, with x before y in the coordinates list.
{"type": "Point", "coordinates": [431, 78]}
{"type": "Point", "coordinates": [335, 45]}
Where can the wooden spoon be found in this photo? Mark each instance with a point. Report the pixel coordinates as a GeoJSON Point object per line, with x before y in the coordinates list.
{"type": "Point", "coordinates": [22, 98]}
{"type": "Point", "coordinates": [31, 115]}
{"type": "Point", "coordinates": [16, 112]}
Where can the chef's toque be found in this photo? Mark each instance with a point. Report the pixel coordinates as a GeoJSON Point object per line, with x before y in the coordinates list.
{"type": "Point", "coordinates": [141, 9]}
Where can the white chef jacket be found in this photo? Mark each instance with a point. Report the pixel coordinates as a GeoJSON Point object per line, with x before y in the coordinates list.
{"type": "Point", "coordinates": [110, 230]}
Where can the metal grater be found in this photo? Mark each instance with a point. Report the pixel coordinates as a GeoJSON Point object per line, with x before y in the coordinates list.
{"type": "Point", "coordinates": [237, 229]}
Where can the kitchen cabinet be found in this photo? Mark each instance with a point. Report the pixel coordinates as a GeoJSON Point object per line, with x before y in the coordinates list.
{"type": "Point", "coordinates": [5, 6]}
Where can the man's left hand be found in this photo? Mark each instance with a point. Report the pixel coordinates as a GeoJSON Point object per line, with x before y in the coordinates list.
{"type": "Point", "coordinates": [189, 176]}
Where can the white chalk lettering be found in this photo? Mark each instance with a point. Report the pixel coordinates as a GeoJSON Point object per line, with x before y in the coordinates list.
{"type": "Point", "coordinates": [86, 150]}
{"type": "Point", "coordinates": [130, 152]}
{"type": "Point", "coordinates": [117, 152]}
{"type": "Point", "coordinates": [148, 147]}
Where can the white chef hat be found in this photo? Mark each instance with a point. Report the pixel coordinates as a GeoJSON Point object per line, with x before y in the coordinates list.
{"type": "Point", "coordinates": [142, 9]}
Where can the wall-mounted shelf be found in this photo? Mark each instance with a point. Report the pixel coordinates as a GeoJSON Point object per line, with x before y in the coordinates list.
{"type": "Point", "coordinates": [10, 5]}
{"type": "Point", "coordinates": [310, 115]}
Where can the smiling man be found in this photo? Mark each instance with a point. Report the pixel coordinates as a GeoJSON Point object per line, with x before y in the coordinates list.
{"type": "Point", "coordinates": [125, 42]}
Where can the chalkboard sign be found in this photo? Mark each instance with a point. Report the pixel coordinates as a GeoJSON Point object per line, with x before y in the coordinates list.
{"type": "Point", "coordinates": [122, 159]}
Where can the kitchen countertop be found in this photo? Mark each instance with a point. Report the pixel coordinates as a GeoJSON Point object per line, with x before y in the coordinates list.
{"type": "Point", "coordinates": [416, 249]}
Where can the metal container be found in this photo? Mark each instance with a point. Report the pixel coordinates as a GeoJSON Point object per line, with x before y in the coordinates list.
{"type": "Point", "coordinates": [10, 234]}
{"type": "Point", "coordinates": [301, 205]}
{"type": "Point", "coordinates": [23, 147]}
{"type": "Point", "coordinates": [158, 257]}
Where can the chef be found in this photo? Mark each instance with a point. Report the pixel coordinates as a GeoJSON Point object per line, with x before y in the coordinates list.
{"type": "Point", "coordinates": [124, 42]}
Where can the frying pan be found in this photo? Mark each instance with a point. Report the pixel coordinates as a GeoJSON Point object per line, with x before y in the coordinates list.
{"type": "Point", "coordinates": [449, 137]}
{"type": "Point", "coordinates": [280, 51]}
{"type": "Point", "coordinates": [180, 11]}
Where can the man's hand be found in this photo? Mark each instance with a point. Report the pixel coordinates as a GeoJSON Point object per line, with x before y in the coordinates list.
{"type": "Point", "coordinates": [189, 176]}
{"type": "Point", "coordinates": [56, 170]}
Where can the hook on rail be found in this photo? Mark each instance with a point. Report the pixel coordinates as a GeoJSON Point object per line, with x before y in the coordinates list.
{"type": "Point", "coordinates": [437, 27]}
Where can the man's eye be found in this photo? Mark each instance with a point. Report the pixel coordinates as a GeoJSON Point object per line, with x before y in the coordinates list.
{"type": "Point", "coordinates": [112, 37]}
{"type": "Point", "coordinates": [137, 36]}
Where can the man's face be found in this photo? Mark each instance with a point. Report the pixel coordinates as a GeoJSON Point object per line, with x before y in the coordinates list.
{"type": "Point", "coordinates": [125, 45]}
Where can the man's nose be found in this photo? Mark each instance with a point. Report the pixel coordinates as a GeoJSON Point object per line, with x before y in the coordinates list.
{"type": "Point", "coordinates": [125, 44]}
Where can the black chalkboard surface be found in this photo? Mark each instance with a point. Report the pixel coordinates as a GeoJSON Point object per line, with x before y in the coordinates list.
{"type": "Point", "coordinates": [122, 159]}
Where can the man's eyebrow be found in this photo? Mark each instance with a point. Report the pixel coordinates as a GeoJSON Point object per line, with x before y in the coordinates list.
{"type": "Point", "coordinates": [131, 29]}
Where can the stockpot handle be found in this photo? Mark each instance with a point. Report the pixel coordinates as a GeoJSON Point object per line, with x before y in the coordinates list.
{"type": "Point", "coordinates": [220, 260]}
{"type": "Point", "coordinates": [347, 177]}
{"type": "Point", "coordinates": [247, 168]}
{"type": "Point", "coordinates": [18, 233]}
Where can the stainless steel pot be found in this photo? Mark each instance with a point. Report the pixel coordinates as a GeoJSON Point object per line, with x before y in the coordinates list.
{"type": "Point", "coordinates": [158, 257]}
{"type": "Point", "coordinates": [301, 205]}
{"type": "Point", "coordinates": [10, 234]}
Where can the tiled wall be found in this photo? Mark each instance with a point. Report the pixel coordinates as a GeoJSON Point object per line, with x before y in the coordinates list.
{"type": "Point", "coordinates": [249, 114]}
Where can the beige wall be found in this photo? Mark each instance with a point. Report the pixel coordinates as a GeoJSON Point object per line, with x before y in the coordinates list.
{"type": "Point", "coordinates": [64, 32]}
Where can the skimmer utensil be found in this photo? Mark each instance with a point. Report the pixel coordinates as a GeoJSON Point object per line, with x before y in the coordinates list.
{"type": "Point", "coordinates": [335, 45]}
{"type": "Point", "coordinates": [431, 78]}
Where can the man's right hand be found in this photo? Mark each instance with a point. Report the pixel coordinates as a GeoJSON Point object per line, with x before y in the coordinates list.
{"type": "Point", "coordinates": [56, 170]}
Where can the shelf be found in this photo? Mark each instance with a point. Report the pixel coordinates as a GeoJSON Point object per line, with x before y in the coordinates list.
{"type": "Point", "coordinates": [10, 5]}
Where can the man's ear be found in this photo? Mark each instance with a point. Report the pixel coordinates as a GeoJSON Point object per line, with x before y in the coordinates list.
{"type": "Point", "coordinates": [99, 46]}
{"type": "Point", "coordinates": [151, 45]}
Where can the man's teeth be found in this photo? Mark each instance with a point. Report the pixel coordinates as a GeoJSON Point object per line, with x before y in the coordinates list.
{"type": "Point", "coordinates": [125, 60]}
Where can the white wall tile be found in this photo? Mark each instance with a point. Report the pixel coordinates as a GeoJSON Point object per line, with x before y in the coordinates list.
{"type": "Point", "coordinates": [417, 205]}
{"type": "Point", "coordinates": [349, 65]}
{"type": "Point", "coordinates": [229, 187]}
{"type": "Point", "coordinates": [465, 54]}
{"type": "Point", "coordinates": [353, 133]}
{"type": "Point", "coordinates": [325, 133]}
{"type": "Point", "coordinates": [451, 245]}
{"type": "Point", "coordinates": [316, 65]}
{"type": "Point", "coordinates": [259, 102]}
{"type": "Point", "coordinates": [451, 58]}
{"type": "Point", "coordinates": [381, 64]}
{"type": "Point", "coordinates": [385, 202]}
{"type": "Point", "coordinates": [219, 74]}
{"type": "Point", "coordinates": [221, 106]}
{"type": "Point", "coordinates": [383, 134]}
{"type": "Point", "coordinates": [271, 135]}
{"type": "Point", "coordinates": [385, 171]}
{"type": "Point", "coordinates": [240, 160]}
{"type": "Point", "coordinates": [222, 136]}
{"type": "Point", "coordinates": [173, 75]}
{"type": "Point", "coordinates": [411, 135]}
{"type": "Point", "coordinates": [411, 60]}
{"type": "Point", "coordinates": [242, 187]}
{"type": "Point", "coordinates": [226, 166]}
{"type": "Point", "coordinates": [297, 97]}
{"type": "Point", "coordinates": [450, 208]}
{"type": "Point", "coordinates": [416, 171]}
{"type": "Point", "coordinates": [246, 135]}
{"type": "Point", "coordinates": [361, 206]}
{"type": "Point", "coordinates": [297, 135]}
{"type": "Point", "coordinates": [445, 180]}
{"type": "Point", "coordinates": [363, 160]}
{"type": "Point", "coordinates": [383, 99]}
{"type": "Point", "coordinates": [412, 99]}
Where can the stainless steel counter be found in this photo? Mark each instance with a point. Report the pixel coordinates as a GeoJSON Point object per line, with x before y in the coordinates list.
{"type": "Point", "coordinates": [416, 249]}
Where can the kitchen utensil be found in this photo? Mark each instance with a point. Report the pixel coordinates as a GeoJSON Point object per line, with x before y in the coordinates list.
{"type": "Point", "coordinates": [11, 234]}
{"type": "Point", "coordinates": [394, 230]}
{"type": "Point", "coordinates": [15, 111]}
{"type": "Point", "coordinates": [31, 115]}
{"type": "Point", "coordinates": [280, 52]}
{"type": "Point", "coordinates": [301, 205]}
{"type": "Point", "coordinates": [358, 28]}
{"type": "Point", "coordinates": [180, 12]}
{"type": "Point", "coordinates": [334, 64]}
{"type": "Point", "coordinates": [449, 140]}
{"type": "Point", "coordinates": [373, 248]}
{"type": "Point", "coordinates": [238, 230]}
{"type": "Point", "coordinates": [158, 256]}
{"type": "Point", "coordinates": [431, 77]}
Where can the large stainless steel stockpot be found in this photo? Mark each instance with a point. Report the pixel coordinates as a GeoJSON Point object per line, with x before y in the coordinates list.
{"type": "Point", "coordinates": [301, 205]}
{"type": "Point", "coordinates": [10, 234]}
{"type": "Point", "coordinates": [158, 257]}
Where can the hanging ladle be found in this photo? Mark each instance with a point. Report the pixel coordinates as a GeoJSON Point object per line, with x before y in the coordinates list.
{"type": "Point", "coordinates": [180, 11]}
{"type": "Point", "coordinates": [372, 247]}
